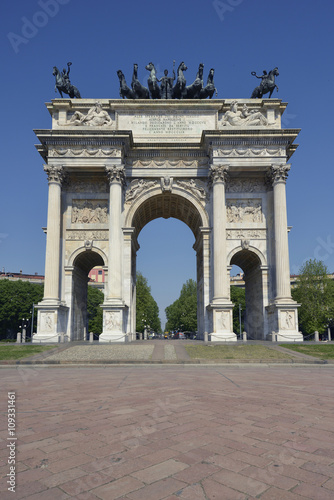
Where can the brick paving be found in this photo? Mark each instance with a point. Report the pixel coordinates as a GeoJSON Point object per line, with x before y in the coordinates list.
{"type": "Point", "coordinates": [170, 432]}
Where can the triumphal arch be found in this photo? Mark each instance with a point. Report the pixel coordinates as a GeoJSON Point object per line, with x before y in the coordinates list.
{"type": "Point", "coordinates": [220, 166]}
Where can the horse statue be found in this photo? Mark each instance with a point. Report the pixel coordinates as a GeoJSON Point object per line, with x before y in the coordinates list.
{"type": "Point", "coordinates": [63, 83]}
{"type": "Point", "coordinates": [139, 91]}
{"type": "Point", "coordinates": [124, 90]}
{"type": "Point", "coordinates": [179, 87]}
{"type": "Point", "coordinates": [193, 90]}
{"type": "Point", "coordinates": [210, 88]}
{"type": "Point", "coordinates": [153, 82]}
{"type": "Point", "coordinates": [267, 85]}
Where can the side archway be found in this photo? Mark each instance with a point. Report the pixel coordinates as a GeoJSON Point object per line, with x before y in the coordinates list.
{"type": "Point", "coordinates": [253, 264]}
{"type": "Point", "coordinates": [81, 262]}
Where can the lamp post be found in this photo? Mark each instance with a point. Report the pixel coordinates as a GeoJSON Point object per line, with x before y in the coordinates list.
{"type": "Point", "coordinates": [240, 319]}
{"type": "Point", "coordinates": [24, 329]}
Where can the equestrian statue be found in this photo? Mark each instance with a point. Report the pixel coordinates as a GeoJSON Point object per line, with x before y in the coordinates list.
{"type": "Point", "coordinates": [267, 85]}
{"type": "Point", "coordinates": [63, 83]}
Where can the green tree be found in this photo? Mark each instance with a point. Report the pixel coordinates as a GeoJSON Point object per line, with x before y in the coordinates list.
{"type": "Point", "coordinates": [315, 292]}
{"type": "Point", "coordinates": [95, 313]}
{"type": "Point", "coordinates": [16, 301]}
{"type": "Point", "coordinates": [182, 313]}
{"type": "Point", "coordinates": [147, 310]}
{"type": "Point", "coordinates": [238, 297]}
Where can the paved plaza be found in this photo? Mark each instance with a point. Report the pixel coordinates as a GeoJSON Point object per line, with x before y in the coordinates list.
{"type": "Point", "coordinates": [172, 432]}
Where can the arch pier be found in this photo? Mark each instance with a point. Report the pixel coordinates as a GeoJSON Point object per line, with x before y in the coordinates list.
{"type": "Point", "coordinates": [219, 166]}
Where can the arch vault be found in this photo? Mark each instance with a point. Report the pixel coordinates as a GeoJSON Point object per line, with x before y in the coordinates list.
{"type": "Point", "coordinates": [224, 178]}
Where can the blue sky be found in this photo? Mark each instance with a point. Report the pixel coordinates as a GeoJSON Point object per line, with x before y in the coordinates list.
{"type": "Point", "coordinates": [233, 36]}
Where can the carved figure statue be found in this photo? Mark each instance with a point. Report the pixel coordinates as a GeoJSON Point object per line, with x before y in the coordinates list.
{"type": "Point", "coordinates": [210, 88]}
{"type": "Point", "coordinates": [153, 82]}
{"type": "Point", "coordinates": [166, 183]}
{"type": "Point", "coordinates": [124, 90]}
{"type": "Point", "coordinates": [179, 87]}
{"type": "Point", "coordinates": [244, 117]}
{"type": "Point", "coordinates": [96, 117]}
{"type": "Point", "coordinates": [267, 84]}
{"type": "Point", "coordinates": [136, 187]}
{"type": "Point", "coordinates": [193, 90]}
{"type": "Point", "coordinates": [63, 83]}
{"type": "Point", "coordinates": [166, 86]}
{"type": "Point", "coordinates": [140, 92]}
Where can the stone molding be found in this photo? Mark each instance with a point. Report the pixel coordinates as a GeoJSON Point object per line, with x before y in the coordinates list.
{"type": "Point", "coordinates": [85, 152]}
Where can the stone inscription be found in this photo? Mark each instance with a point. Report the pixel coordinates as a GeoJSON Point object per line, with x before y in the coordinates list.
{"type": "Point", "coordinates": [168, 124]}
{"type": "Point", "coordinates": [78, 235]}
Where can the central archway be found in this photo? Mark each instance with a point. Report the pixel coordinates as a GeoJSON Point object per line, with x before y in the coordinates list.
{"type": "Point", "coordinates": [180, 205]}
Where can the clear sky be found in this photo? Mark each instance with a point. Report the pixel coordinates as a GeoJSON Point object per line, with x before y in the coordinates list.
{"type": "Point", "coordinates": [233, 36]}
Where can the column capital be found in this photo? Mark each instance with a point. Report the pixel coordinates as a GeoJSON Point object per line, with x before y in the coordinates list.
{"type": "Point", "coordinates": [55, 173]}
{"type": "Point", "coordinates": [218, 173]}
{"type": "Point", "coordinates": [278, 173]}
{"type": "Point", "coordinates": [115, 173]}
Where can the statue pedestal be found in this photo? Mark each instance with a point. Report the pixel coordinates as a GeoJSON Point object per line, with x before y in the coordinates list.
{"type": "Point", "coordinates": [51, 322]}
{"type": "Point", "coordinates": [113, 322]}
{"type": "Point", "coordinates": [222, 322]}
{"type": "Point", "coordinates": [283, 321]}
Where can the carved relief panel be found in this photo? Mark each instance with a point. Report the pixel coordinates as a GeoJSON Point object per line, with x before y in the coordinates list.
{"type": "Point", "coordinates": [244, 211]}
{"type": "Point", "coordinates": [89, 211]}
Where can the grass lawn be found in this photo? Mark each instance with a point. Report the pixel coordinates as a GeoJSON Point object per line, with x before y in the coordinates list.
{"type": "Point", "coordinates": [19, 351]}
{"type": "Point", "coordinates": [323, 351]}
{"type": "Point", "coordinates": [234, 352]}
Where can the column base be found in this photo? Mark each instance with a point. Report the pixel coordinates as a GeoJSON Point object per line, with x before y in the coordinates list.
{"type": "Point", "coordinates": [283, 321]}
{"type": "Point", "coordinates": [222, 322]}
{"type": "Point", "coordinates": [113, 322]}
{"type": "Point", "coordinates": [51, 323]}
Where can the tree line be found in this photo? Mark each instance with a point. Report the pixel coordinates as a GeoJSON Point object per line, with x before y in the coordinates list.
{"type": "Point", "coordinates": [314, 291]}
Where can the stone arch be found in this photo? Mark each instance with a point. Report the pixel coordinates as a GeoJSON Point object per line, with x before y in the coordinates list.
{"type": "Point", "coordinates": [253, 263]}
{"type": "Point", "coordinates": [181, 205]}
{"type": "Point", "coordinates": [82, 250]}
{"type": "Point", "coordinates": [191, 206]}
{"type": "Point", "coordinates": [82, 260]}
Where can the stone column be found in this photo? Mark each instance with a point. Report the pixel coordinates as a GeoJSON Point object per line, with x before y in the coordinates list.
{"type": "Point", "coordinates": [279, 174]}
{"type": "Point", "coordinates": [52, 257]}
{"type": "Point", "coordinates": [221, 306]}
{"type": "Point", "coordinates": [218, 176]}
{"type": "Point", "coordinates": [283, 310]}
{"type": "Point", "coordinates": [116, 177]}
{"type": "Point", "coordinates": [114, 309]}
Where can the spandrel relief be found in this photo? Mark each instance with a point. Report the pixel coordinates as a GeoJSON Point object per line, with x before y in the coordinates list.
{"type": "Point", "coordinates": [244, 211]}
{"type": "Point", "coordinates": [195, 187]}
{"type": "Point", "coordinates": [136, 187]}
{"type": "Point", "coordinates": [89, 211]}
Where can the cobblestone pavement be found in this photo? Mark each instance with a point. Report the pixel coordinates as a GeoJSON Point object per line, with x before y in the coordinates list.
{"type": "Point", "coordinates": [172, 432]}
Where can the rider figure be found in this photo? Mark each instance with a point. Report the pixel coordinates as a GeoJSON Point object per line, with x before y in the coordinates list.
{"type": "Point", "coordinates": [263, 77]}
{"type": "Point", "coordinates": [66, 80]}
{"type": "Point", "coordinates": [166, 86]}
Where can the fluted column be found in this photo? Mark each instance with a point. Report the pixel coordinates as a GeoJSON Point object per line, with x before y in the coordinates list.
{"type": "Point", "coordinates": [52, 257]}
{"type": "Point", "coordinates": [279, 174]}
{"type": "Point", "coordinates": [218, 177]}
{"type": "Point", "coordinates": [116, 175]}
